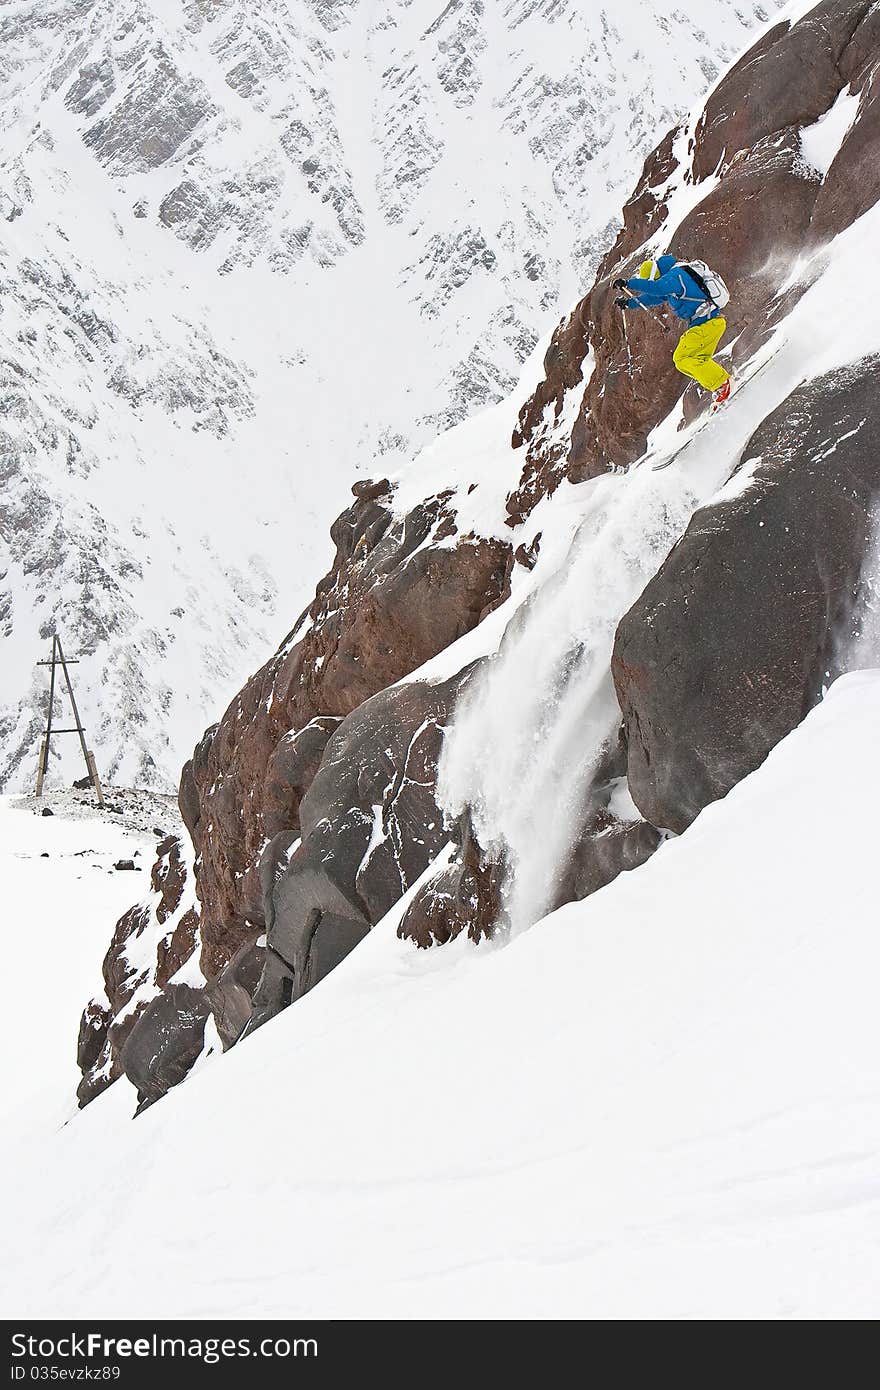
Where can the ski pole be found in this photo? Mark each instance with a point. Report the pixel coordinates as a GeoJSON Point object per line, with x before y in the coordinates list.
{"type": "Point", "coordinates": [655, 317]}
{"type": "Point", "coordinates": [650, 312]}
{"type": "Point", "coordinates": [629, 359]}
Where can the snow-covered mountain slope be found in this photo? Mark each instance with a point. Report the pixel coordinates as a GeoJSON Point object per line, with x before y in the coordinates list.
{"type": "Point", "coordinates": [663, 1102]}
{"type": "Point", "coordinates": [532, 644]}
{"type": "Point", "coordinates": [250, 251]}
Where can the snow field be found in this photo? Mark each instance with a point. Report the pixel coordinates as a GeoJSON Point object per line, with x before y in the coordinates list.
{"type": "Point", "coordinates": [661, 1102]}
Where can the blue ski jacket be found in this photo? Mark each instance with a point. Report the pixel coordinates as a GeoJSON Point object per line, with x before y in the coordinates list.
{"type": "Point", "coordinates": [673, 287]}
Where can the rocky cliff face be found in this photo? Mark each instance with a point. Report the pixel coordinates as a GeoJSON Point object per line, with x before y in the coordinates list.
{"type": "Point", "coordinates": [392, 601]}
{"type": "Point", "coordinates": [529, 662]}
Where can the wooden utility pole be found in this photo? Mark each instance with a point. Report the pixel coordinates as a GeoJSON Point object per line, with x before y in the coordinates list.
{"type": "Point", "coordinates": [58, 659]}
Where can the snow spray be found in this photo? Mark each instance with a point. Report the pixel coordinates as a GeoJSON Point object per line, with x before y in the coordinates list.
{"type": "Point", "coordinates": [535, 720]}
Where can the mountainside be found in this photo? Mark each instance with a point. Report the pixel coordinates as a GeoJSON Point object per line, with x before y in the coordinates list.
{"type": "Point", "coordinates": [535, 654]}
{"type": "Point", "coordinates": [514, 954]}
{"type": "Point", "coordinates": [250, 251]}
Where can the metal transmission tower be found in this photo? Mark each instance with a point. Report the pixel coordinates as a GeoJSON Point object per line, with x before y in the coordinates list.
{"type": "Point", "coordinates": [57, 660]}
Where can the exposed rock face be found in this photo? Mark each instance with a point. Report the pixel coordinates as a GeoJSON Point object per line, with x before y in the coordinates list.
{"type": "Point", "coordinates": [160, 111]}
{"type": "Point", "coordinates": [294, 756]}
{"type": "Point", "coordinates": [730, 644]}
{"type": "Point", "coordinates": [92, 1039]}
{"type": "Point", "coordinates": [168, 877]}
{"type": "Point", "coordinates": [468, 893]}
{"type": "Point", "coordinates": [763, 206]}
{"type": "Point", "coordinates": [786, 80]}
{"type": "Point", "coordinates": [231, 994]}
{"type": "Point", "coordinates": [291, 770]}
{"type": "Point", "coordinates": [609, 846]}
{"type": "Point", "coordinates": [395, 597]}
{"type": "Point", "coordinates": [852, 184]}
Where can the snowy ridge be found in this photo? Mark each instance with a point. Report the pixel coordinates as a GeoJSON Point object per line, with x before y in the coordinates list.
{"type": "Point", "coordinates": [211, 212]}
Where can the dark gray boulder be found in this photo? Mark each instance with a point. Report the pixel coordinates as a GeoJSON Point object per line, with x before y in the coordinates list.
{"type": "Point", "coordinates": [730, 643]}
{"type": "Point", "coordinates": [92, 1037]}
{"type": "Point", "coordinates": [609, 847]}
{"type": "Point", "coordinates": [230, 994]}
{"type": "Point", "coordinates": [370, 827]}
{"type": "Point", "coordinates": [465, 895]}
{"type": "Point", "coordinates": [165, 1041]}
{"type": "Point", "coordinates": [291, 768]}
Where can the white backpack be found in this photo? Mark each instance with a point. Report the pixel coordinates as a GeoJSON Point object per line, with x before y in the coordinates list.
{"type": "Point", "coordinates": [709, 281]}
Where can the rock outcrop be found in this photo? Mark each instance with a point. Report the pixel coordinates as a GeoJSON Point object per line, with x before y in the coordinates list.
{"type": "Point", "coordinates": [216, 143]}
{"type": "Point", "coordinates": [398, 593]}
{"type": "Point", "coordinates": [304, 834]}
{"type": "Point", "coordinates": [153, 942]}
{"type": "Point", "coordinates": [465, 895]}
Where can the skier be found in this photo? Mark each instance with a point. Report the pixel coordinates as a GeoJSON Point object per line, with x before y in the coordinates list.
{"type": "Point", "coordinates": [696, 294]}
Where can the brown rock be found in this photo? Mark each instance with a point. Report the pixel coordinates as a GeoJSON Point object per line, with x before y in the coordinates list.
{"type": "Point", "coordinates": [175, 951]}
{"type": "Point", "coordinates": [120, 980]}
{"type": "Point", "coordinates": [290, 770]}
{"type": "Point", "coordinates": [527, 555]}
{"type": "Point", "coordinates": [852, 184]}
{"type": "Point", "coordinates": [106, 1025]}
{"type": "Point", "coordinates": [750, 225]}
{"type": "Point", "coordinates": [369, 490]}
{"type": "Point", "coordinates": [607, 847]}
{"type": "Point", "coordinates": [92, 1034]}
{"type": "Point", "coordinates": [168, 877]}
{"type": "Point", "coordinates": [104, 1070]}
{"type": "Point", "coordinates": [788, 79]}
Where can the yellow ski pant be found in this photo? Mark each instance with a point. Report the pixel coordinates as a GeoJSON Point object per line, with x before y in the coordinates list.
{"type": "Point", "coordinates": [693, 355]}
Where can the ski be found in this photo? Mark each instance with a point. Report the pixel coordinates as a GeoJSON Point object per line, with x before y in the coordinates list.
{"type": "Point", "coordinates": [665, 463]}
{"type": "Point", "coordinates": [713, 413]}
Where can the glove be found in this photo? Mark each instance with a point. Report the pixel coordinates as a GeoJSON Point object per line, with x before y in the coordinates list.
{"type": "Point", "coordinates": [622, 302]}
{"type": "Point", "coordinates": [619, 284]}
